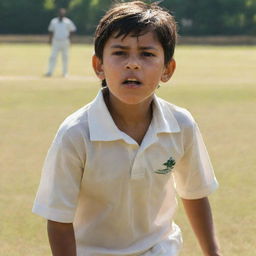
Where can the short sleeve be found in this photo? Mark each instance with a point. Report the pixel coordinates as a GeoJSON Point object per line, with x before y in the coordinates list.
{"type": "Point", "coordinates": [51, 26]}
{"type": "Point", "coordinates": [59, 187]}
{"type": "Point", "coordinates": [72, 27]}
{"type": "Point", "coordinates": [194, 176]}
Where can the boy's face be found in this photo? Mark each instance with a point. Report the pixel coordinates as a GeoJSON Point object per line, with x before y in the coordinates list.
{"type": "Point", "coordinates": [133, 67]}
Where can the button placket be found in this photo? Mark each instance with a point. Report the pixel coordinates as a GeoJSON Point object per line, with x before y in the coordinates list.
{"type": "Point", "coordinates": [139, 165]}
{"type": "Point", "coordinates": [138, 168]}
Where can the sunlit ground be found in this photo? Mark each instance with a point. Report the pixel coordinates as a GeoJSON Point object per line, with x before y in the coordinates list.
{"type": "Point", "coordinates": [217, 84]}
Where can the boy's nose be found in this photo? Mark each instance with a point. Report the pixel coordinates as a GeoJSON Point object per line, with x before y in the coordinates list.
{"type": "Point", "coordinates": [132, 63]}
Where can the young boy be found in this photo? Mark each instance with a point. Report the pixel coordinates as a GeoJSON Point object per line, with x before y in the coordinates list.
{"type": "Point", "coordinates": [110, 177]}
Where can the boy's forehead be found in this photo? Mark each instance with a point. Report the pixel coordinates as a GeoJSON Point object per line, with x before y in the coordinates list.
{"type": "Point", "coordinates": [146, 38]}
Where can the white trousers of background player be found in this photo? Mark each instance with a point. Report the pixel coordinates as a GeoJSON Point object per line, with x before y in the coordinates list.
{"type": "Point", "coordinates": [57, 47]}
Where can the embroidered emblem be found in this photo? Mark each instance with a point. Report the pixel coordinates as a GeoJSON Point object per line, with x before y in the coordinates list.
{"type": "Point", "coordinates": [169, 166]}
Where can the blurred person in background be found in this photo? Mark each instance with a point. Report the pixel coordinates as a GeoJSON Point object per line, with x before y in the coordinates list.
{"type": "Point", "coordinates": [60, 30]}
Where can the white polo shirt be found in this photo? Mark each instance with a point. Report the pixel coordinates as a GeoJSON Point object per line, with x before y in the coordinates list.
{"type": "Point", "coordinates": [61, 29]}
{"type": "Point", "coordinates": [119, 195]}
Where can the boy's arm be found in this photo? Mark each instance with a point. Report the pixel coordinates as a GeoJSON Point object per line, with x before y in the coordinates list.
{"type": "Point", "coordinates": [200, 217]}
{"type": "Point", "coordinates": [61, 238]}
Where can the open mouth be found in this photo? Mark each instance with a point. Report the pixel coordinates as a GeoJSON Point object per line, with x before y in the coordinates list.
{"type": "Point", "coordinates": [132, 82]}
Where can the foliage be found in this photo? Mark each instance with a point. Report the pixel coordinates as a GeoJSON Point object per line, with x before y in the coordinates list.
{"type": "Point", "coordinates": [23, 16]}
{"type": "Point", "coordinates": [219, 17]}
{"type": "Point", "coordinates": [194, 17]}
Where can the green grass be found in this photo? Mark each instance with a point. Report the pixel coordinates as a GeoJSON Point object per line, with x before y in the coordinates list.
{"type": "Point", "coordinates": [217, 84]}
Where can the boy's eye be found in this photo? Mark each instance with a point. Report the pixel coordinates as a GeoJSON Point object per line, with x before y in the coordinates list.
{"type": "Point", "coordinates": [118, 53]}
{"type": "Point", "coordinates": [147, 54]}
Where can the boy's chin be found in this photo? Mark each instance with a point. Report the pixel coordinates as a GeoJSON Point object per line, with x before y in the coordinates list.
{"type": "Point", "coordinates": [133, 100]}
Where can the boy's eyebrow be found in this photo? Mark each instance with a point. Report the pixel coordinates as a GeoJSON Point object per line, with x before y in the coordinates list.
{"type": "Point", "coordinates": [118, 46]}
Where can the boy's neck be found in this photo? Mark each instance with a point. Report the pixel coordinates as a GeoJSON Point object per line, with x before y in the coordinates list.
{"type": "Point", "coordinates": [134, 120]}
{"type": "Point", "coordinates": [128, 114]}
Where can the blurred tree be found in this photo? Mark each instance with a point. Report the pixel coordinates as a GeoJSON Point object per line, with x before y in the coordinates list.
{"type": "Point", "coordinates": [219, 17]}
{"type": "Point", "coordinates": [250, 16]}
{"type": "Point", "coordinates": [61, 3]}
{"type": "Point", "coordinates": [194, 17]}
{"type": "Point", "coordinates": [97, 10]}
{"type": "Point", "coordinates": [23, 16]}
{"type": "Point", "coordinates": [79, 12]}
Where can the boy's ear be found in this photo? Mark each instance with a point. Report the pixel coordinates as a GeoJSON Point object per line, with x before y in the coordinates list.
{"type": "Point", "coordinates": [98, 67]}
{"type": "Point", "coordinates": [169, 70]}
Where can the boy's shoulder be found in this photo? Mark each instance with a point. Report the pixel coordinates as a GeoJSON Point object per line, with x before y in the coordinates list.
{"type": "Point", "coordinates": [75, 125]}
{"type": "Point", "coordinates": [182, 115]}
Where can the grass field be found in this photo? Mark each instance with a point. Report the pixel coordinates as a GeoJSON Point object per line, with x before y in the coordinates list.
{"type": "Point", "coordinates": [217, 84]}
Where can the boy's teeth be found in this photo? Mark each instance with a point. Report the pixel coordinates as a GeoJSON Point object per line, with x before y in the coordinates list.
{"type": "Point", "coordinates": [132, 81]}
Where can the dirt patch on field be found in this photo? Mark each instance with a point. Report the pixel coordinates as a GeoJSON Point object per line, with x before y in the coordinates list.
{"type": "Point", "coordinates": [218, 40]}
{"type": "Point", "coordinates": [40, 39]}
{"type": "Point", "coordinates": [200, 40]}
{"type": "Point", "coordinates": [35, 78]}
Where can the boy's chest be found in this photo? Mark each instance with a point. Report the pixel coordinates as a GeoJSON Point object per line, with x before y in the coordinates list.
{"type": "Point", "coordinates": [131, 175]}
{"type": "Point", "coordinates": [108, 162]}
{"type": "Point", "coordinates": [137, 132]}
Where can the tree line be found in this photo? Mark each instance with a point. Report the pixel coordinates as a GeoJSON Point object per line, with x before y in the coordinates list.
{"type": "Point", "coordinates": [194, 17]}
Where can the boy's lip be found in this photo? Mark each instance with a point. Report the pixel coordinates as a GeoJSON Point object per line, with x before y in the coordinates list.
{"type": "Point", "coordinates": [132, 81]}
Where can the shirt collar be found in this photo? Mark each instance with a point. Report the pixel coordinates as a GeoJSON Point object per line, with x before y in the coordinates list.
{"type": "Point", "coordinates": [164, 120]}
{"type": "Point", "coordinates": [103, 128]}
{"type": "Point", "coordinates": [101, 124]}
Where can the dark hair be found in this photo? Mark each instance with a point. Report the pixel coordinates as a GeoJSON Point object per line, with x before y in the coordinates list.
{"type": "Point", "coordinates": [136, 18]}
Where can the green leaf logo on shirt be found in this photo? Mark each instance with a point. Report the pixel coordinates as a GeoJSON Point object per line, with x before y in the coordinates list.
{"type": "Point", "coordinates": [169, 166]}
